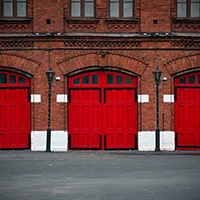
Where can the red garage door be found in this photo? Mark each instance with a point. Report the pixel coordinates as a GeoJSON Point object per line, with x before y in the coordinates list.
{"type": "Point", "coordinates": [102, 111]}
{"type": "Point", "coordinates": [187, 111]}
{"type": "Point", "coordinates": [14, 111]}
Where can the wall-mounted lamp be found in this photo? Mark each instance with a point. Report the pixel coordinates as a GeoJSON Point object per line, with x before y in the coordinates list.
{"type": "Point", "coordinates": [103, 54]}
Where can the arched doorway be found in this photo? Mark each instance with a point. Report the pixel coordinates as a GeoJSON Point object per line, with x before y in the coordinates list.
{"type": "Point", "coordinates": [102, 110]}
{"type": "Point", "coordinates": [14, 110]}
{"type": "Point", "coordinates": [187, 111]}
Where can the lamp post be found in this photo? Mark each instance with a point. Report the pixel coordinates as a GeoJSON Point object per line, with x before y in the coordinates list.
{"type": "Point", "coordinates": [157, 75]}
{"type": "Point", "coordinates": [50, 75]}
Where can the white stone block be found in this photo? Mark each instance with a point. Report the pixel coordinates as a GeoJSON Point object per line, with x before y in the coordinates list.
{"type": "Point", "coordinates": [35, 98]}
{"type": "Point", "coordinates": [146, 141]}
{"type": "Point", "coordinates": [167, 141]}
{"type": "Point", "coordinates": [143, 98]}
{"type": "Point", "coordinates": [59, 141]}
{"type": "Point", "coordinates": [38, 140]}
{"type": "Point", "coordinates": [61, 98]}
{"type": "Point", "coordinates": [168, 98]}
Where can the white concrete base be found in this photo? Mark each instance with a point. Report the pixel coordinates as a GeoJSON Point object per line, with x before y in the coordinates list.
{"type": "Point", "coordinates": [38, 140]}
{"type": "Point", "coordinates": [59, 141]}
{"type": "Point", "coordinates": [167, 141]}
{"type": "Point", "coordinates": [146, 141]}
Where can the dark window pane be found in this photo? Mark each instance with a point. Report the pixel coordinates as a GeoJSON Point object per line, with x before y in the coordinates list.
{"type": "Point", "coordinates": [76, 8]}
{"type": "Point", "coordinates": [95, 79]}
{"type": "Point", "coordinates": [3, 78]}
{"type": "Point", "coordinates": [182, 81]}
{"type": "Point", "coordinates": [89, 9]}
{"type": "Point", "coordinates": [86, 80]}
{"type": "Point", "coordinates": [114, 9]}
{"type": "Point", "coordinates": [128, 81]}
{"type": "Point", "coordinates": [8, 9]}
{"type": "Point", "coordinates": [21, 9]}
{"type": "Point", "coordinates": [119, 79]}
{"type": "Point", "coordinates": [22, 80]}
{"type": "Point", "coordinates": [195, 9]}
{"type": "Point", "coordinates": [191, 79]}
{"type": "Point", "coordinates": [12, 79]}
{"type": "Point", "coordinates": [181, 10]}
{"type": "Point", "coordinates": [76, 81]}
{"type": "Point", "coordinates": [128, 10]}
{"type": "Point", "coordinates": [199, 79]}
{"type": "Point", "coordinates": [110, 79]}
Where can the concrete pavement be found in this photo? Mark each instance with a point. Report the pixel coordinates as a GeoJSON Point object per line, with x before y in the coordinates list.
{"type": "Point", "coordinates": [98, 175]}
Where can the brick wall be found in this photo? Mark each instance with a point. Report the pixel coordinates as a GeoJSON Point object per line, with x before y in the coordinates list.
{"type": "Point", "coordinates": [140, 54]}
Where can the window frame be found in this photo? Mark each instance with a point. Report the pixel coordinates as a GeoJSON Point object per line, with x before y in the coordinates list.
{"type": "Point", "coordinates": [14, 13]}
{"type": "Point", "coordinates": [82, 10]}
{"type": "Point", "coordinates": [188, 10]}
{"type": "Point", "coordinates": [121, 10]}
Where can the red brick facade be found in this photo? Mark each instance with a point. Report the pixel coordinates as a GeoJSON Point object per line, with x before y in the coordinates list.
{"type": "Point", "coordinates": [155, 37]}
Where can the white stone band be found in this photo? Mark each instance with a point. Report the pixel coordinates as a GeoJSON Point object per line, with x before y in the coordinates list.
{"type": "Point", "coordinates": [35, 98]}
{"type": "Point", "coordinates": [168, 98]}
{"type": "Point", "coordinates": [143, 98]}
{"type": "Point", "coordinates": [61, 98]}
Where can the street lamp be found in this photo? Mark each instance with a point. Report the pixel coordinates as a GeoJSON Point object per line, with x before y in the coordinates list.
{"type": "Point", "coordinates": [50, 74]}
{"type": "Point", "coordinates": [157, 75]}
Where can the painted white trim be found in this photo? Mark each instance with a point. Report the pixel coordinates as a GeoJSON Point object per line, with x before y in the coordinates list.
{"type": "Point", "coordinates": [59, 141]}
{"type": "Point", "coordinates": [146, 141]}
{"type": "Point", "coordinates": [143, 98]}
{"type": "Point", "coordinates": [35, 98]}
{"type": "Point", "coordinates": [61, 98]}
{"type": "Point", "coordinates": [168, 98]}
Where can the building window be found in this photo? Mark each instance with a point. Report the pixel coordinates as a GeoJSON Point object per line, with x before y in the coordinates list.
{"type": "Point", "coordinates": [188, 8]}
{"type": "Point", "coordinates": [121, 8]}
{"type": "Point", "coordinates": [82, 8]}
{"type": "Point", "coordinates": [14, 8]}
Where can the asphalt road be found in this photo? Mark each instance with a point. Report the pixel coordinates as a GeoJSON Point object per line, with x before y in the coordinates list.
{"type": "Point", "coordinates": [92, 175]}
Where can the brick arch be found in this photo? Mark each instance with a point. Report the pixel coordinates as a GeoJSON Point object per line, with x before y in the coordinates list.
{"type": "Point", "coordinates": [102, 59]}
{"type": "Point", "coordinates": [188, 62]}
{"type": "Point", "coordinates": [19, 62]}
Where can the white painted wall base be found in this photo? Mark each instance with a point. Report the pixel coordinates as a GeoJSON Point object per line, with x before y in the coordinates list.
{"type": "Point", "coordinates": [59, 141]}
{"type": "Point", "coordinates": [146, 141]}
{"type": "Point", "coordinates": [167, 141]}
{"type": "Point", "coordinates": [38, 140]}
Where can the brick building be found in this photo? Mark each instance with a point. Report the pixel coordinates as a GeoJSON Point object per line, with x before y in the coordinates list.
{"type": "Point", "coordinates": [103, 54]}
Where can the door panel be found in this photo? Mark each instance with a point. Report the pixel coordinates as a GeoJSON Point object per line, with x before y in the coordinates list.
{"type": "Point", "coordinates": [121, 118]}
{"type": "Point", "coordinates": [187, 117]}
{"type": "Point", "coordinates": [84, 120]}
{"type": "Point", "coordinates": [102, 111]}
{"type": "Point", "coordinates": [15, 118]}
